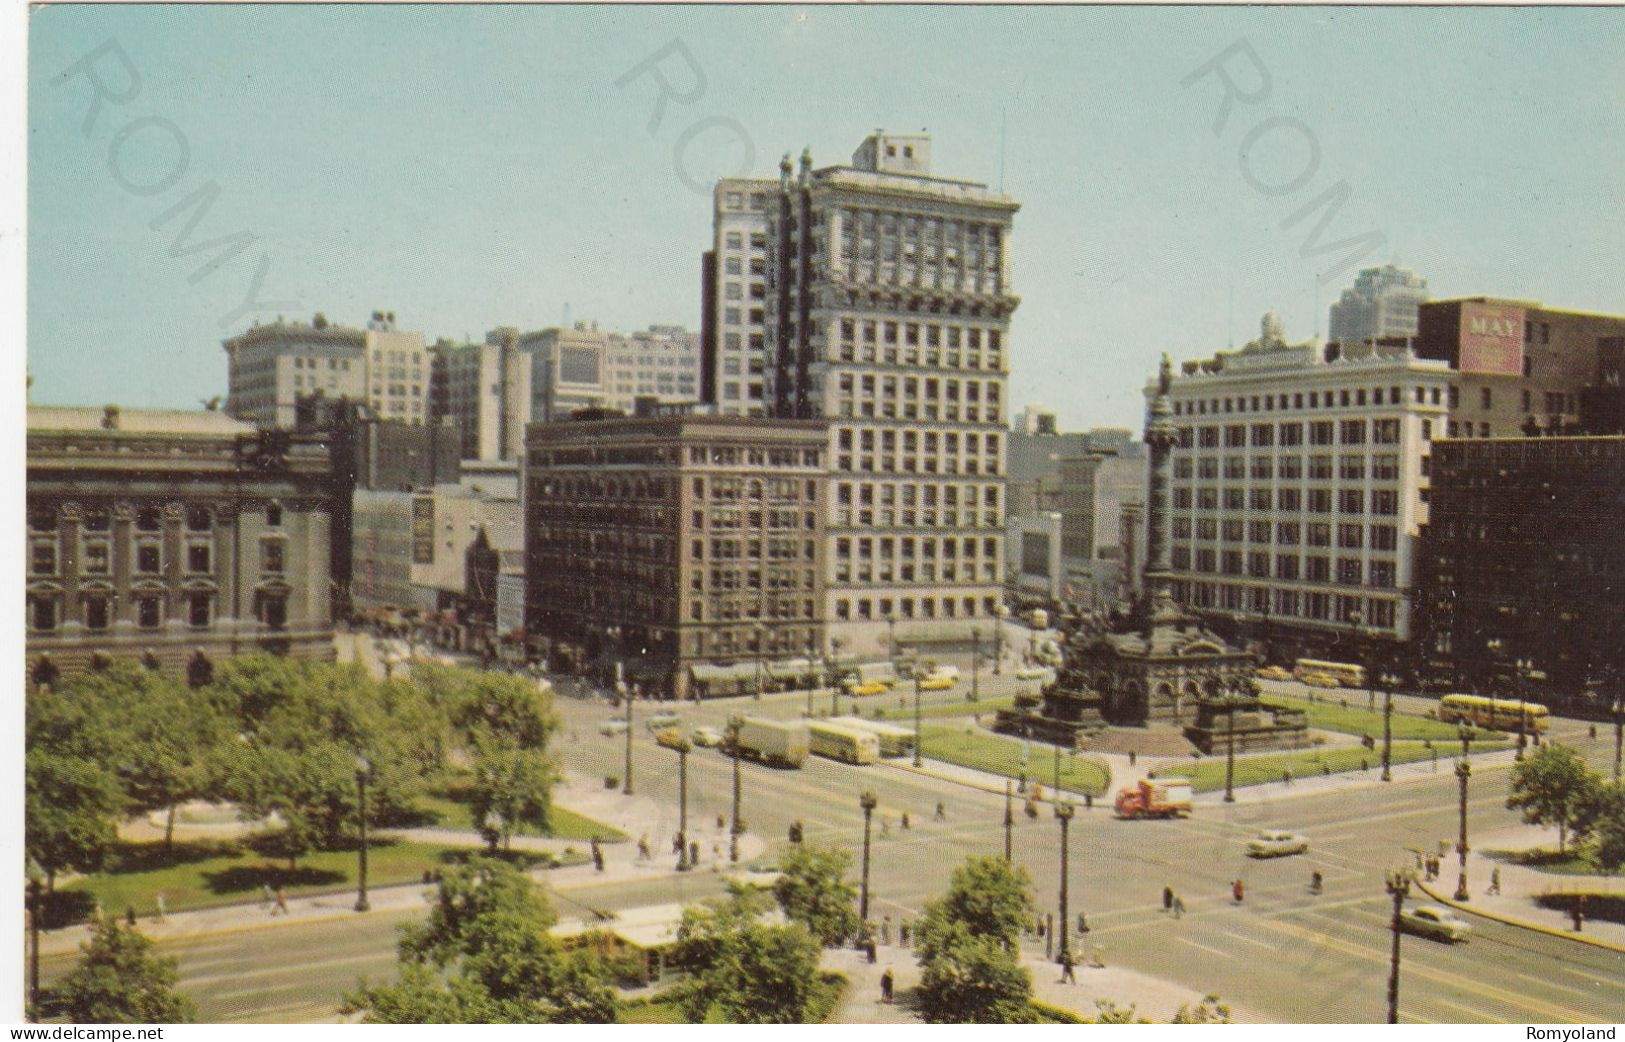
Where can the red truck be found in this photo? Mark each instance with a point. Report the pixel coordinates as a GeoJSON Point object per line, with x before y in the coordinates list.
{"type": "Point", "coordinates": [1155, 799]}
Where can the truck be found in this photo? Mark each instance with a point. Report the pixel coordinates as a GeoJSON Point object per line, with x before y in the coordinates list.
{"type": "Point", "coordinates": [778, 743]}
{"type": "Point", "coordinates": [1155, 798]}
{"type": "Point", "coordinates": [843, 742]}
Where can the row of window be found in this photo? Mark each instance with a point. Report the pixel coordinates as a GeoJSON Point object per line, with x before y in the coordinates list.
{"type": "Point", "coordinates": [46, 519]}
{"type": "Point", "coordinates": [1345, 571]}
{"type": "Point", "coordinates": [96, 557]}
{"type": "Point", "coordinates": [1350, 536]}
{"type": "Point", "coordinates": [1384, 502]}
{"type": "Point", "coordinates": [1346, 398]}
{"type": "Point", "coordinates": [1383, 467]}
{"type": "Point", "coordinates": [1288, 435]}
{"type": "Point", "coordinates": [912, 608]}
{"type": "Point", "coordinates": [97, 610]}
{"type": "Point", "coordinates": [1338, 609]}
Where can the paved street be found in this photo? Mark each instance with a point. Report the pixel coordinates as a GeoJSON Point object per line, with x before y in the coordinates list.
{"type": "Point", "coordinates": [1282, 955]}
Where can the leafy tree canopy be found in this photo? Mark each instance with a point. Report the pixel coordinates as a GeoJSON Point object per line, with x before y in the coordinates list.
{"type": "Point", "coordinates": [1552, 786]}
{"type": "Point", "coordinates": [119, 981]}
{"type": "Point", "coordinates": [813, 890]}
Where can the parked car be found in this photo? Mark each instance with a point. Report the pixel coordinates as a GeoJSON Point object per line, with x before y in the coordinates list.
{"type": "Point", "coordinates": [1277, 843]}
{"type": "Point", "coordinates": [706, 737]}
{"type": "Point", "coordinates": [612, 727]}
{"type": "Point", "coordinates": [1435, 922]}
{"type": "Point", "coordinates": [1033, 673]}
{"type": "Point", "coordinates": [1274, 673]}
{"type": "Point", "coordinates": [937, 682]}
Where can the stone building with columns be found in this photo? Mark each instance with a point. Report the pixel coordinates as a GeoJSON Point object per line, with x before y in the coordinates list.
{"type": "Point", "coordinates": [174, 538]}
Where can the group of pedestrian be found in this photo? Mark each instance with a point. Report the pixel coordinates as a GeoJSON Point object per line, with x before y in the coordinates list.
{"type": "Point", "coordinates": [1172, 903]}
{"type": "Point", "coordinates": [275, 898]}
{"type": "Point", "coordinates": [1431, 866]}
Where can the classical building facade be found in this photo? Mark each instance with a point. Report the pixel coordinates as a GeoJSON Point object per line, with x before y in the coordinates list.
{"type": "Point", "coordinates": [1523, 559]}
{"type": "Point", "coordinates": [733, 296]}
{"type": "Point", "coordinates": [888, 307]}
{"type": "Point", "coordinates": [1299, 488]}
{"type": "Point", "coordinates": [172, 536]}
{"type": "Point", "coordinates": [675, 541]}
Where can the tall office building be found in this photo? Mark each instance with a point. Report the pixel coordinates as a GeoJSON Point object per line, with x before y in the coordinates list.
{"type": "Point", "coordinates": [271, 366]}
{"type": "Point", "coordinates": [733, 292]}
{"type": "Point", "coordinates": [1298, 489]}
{"type": "Point", "coordinates": [569, 370]}
{"type": "Point", "coordinates": [888, 305]}
{"type": "Point", "coordinates": [661, 362]}
{"type": "Point", "coordinates": [1383, 302]}
{"type": "Point", "coordinates": [484, 391]}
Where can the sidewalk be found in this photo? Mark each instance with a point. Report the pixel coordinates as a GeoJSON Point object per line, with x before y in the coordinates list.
{"type": "Point", "coordinates": [1521, 885]}
{"type": "Point", "coordinates": [1153, 998]}
{"type": "Point", "coordinates": [1350, 781]}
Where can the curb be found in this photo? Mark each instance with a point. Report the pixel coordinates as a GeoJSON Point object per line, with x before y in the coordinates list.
{"type": "Point", "coordinates": [996, 790]}
{"type": "Point", "coordinates": [1462, 906]}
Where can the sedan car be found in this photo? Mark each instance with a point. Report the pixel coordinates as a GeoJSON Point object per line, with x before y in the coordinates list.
{"type": "Point", "coordinates": [868, 687]}
{"type": "Point", "coordinates": [1277, 843]}
{"type": "Point", "coordinates": [1435, 922]}
{"type": "Point", "coordinates": [1321, 680]}
{"type": "Point", "coordinates": [936, 683]}
{"type": "Point", "coordinates": [706, 737]}
{"type": "Point", "coordinates": [1274, 673]}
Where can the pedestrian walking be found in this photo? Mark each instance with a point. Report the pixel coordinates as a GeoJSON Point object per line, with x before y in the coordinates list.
{"type": "Point", "coordinates": [1068, 976]}
{"type": "Point", "coordinates": [1167, 898]}
{"type": "Point", "coordinates": [905, 821]}
{"type": "Point", "coordinates": [942, 812]}
{"type": "Point", "coordinates": [1131, 757]}
{"type": "Point", "coordinates": [265, 894]}
{"type": "Point", "coordinates": [887, 981]}
{"type": "Point", "coordinates": [885, 930]}
{"type": "Point", "coordinates": [721, 821]}
{"type": "Point", "coordinates": [677, 843]}
{"type": "Point", "coordinates": [129, 916]}
{"type": "Point", "coordinates": [869, 949]}
{"type": "Point", "coordinates": [902, 933]}
{"type": "Point", "coordinates": [693, 855]}
{"type": "Point", "coordinates": [1495, 881]}
{"type": "Point", "coordinates": [1179, 907]}
{"type": "Point", "coordinates": [1579, 915]}
{"type": "Point", "coordinates": [1041, 929]}
{"type": "Point", "coordinates": [1286, 777]}
{"type": "Point", "coordinates": [1083, 924]}
{"type": "Point", "coordinates": [280, 900]}
{"type": "Point", "coordinates": [162, 910]}
{"type": "Point", "coordinates": [643, 848]}
{"type": "Point", "coordinates": [1238, 890]}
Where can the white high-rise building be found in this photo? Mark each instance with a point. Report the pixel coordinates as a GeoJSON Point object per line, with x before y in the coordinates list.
{"type": "Point", "coordinates": [271, 366]}
{"type": "Point", "coordinates": [1298, 486]}
{"type": "Point", "coordinates": [732, 329]}
{"type": "Point", "coordinates": [1383, 302]}
{"type": "Point", "coordinates": [484, 389]}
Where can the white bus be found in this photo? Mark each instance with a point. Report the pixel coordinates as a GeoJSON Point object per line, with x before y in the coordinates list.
{"type": "Point", "coordinates": [894, 740]}
{"type": "Point", "coordinates": [842, 742]}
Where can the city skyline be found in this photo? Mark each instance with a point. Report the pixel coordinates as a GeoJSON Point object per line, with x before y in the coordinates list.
{"type": "Point", "coordinates": [466, 198]}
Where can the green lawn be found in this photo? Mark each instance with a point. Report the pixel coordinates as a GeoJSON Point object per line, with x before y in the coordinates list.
{"type": "Point", "coordinates": [450, 808]}
{"type": "Point", "coordinates": [1328, 714]}
{"type": "Point", "coordinates": [1207, 774]}
{"type": "Point", "coordinates": [655, 1011]}
{"type": "Point", "coordinates": [204, 874]}
{"type": "Point", "coordinates": [998, 755]}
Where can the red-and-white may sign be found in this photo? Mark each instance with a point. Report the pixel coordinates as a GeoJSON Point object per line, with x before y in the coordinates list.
{"type": "Point", "coordinates": [1491, 339]}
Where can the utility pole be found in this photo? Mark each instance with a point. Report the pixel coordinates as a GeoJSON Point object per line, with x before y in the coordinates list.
{"type": "Point", "coordinates": [1387, 730]}
{"type": "Point", "coordinates": [1230, 748]}
{"type": "Point", "coordinates": [1009, 818]}
{"type": "Point", "coordinates": [1399, 884]}
{"type": "Point", "coordinates": [812, 671]}
{"type": "Point", "coordinates": [1463, 772]}
{"type": "Point", "coordinates": [631, 694]}
{"type": "Point", "coordinates": [1063, 814]}
{"type": "Point", "coordinates": [683, 862]}
{"type": "Point", "coordinates": [362, 769]}
{"type": "Point", "coordinates": [867, 801]}
{"type": "Point", "coordinates": [734, 826]}
{"type": "Point", "coordinates": [917, 742]}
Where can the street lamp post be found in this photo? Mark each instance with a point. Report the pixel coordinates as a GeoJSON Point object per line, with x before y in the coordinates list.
{"type": "Point", "coordinates": [631, 695]}
{"type": "Point", "coordinates": [916, 715]}
{"type": "Point", "coordinates": [867, 801]}
{"type": "Point", "coordinates": [1387, 728]}
{"type": "Point", "coordinates": [1399, 885]}
{"type": "Point", "coordinates": [1463, 772]}
{"type": "Point", "coordinates": [1619, 732]}
{"type": "Point", "coordinates": [758, 632]}
{"type": "Point", "coordinates": [975, 665]}
{"type": "Point", "coordinates": [683, 862]}
{"type": "Point", "coordinates": [835, 676]}
{"type": "Point", "coordinates": [812, 670]}
{"type": "Point", "coordinates": [1063, 814]}
{"type": "Point", "coordinates": [734, 724]}
{"type": "Point", "coordinates": [891, 638]}
{"type": "Point", "coordinates": [1230, 747]}
{"type": "Point", "coordinates": [35, 888]}
{"type": "Point", "coordinates": [998, 638]}
{"type": "Point", "coordinates": [1009, 818]}
{"type": "Point", "coordinates": [362, 769]}
{"type": "Point", "coordinates": [1524, 667]}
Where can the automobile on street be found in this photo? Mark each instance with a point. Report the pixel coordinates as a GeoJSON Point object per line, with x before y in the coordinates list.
{"type": "Point", "coordinates": [1435, 923]}
{"type": "Point", "coordinates": [1277, 843]}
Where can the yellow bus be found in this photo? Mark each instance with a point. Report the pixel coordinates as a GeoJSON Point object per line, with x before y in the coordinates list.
{"type": "Point", "coordinates": [1345, 674]}
{"type": "Point", "coordinates": [839, 742]}
{"type": "Point", "coordinates": [1498, 713]}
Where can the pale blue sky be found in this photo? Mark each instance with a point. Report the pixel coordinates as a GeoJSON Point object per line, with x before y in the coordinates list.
{"type": "Point", "coordinates": [477, 166]}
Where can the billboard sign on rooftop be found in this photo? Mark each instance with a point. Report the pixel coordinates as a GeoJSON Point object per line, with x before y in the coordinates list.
{"type": "Point", "coordinates": [1491, 339]}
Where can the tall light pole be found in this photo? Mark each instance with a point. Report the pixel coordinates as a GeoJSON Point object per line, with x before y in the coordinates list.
{"type": "Point", "coordinates": [1387, 728]}
{"type": "Point", "coordinates": [891, 638]}
{"type": "Point", "coordinates": [363, 768]}
{"type": "Point", "coordinates": [1063, 814]}
{"type": "Point", "coordinates": [735, 826]}
{"type": "Point", "coordinates": [975, 665]}
{"type": "Point", "coordinates": [1524, 667]}
{"type": "Point", "coordinates": [1463, 772]}
{"type": "Point", "coordinates": [1399, 885]}
{"type": "Point", "coordinates": [682, 747]}
{"type": "Point", "coordinates": [998, 637]}
{"type": "Point", "coordinates": [1619, 732]}
{"type": "Point", "coordinates": [630, 692]}
{"type": "Point", "coordinates": [1230, 747]}
{"type": "Point", "coordinates": [812, 674]}
{"type": "Point", "coordinates": [867, 801]}
{"type": "Point", "coordinates": [835, 676]}
{"type": "Point", "coordinates": [35, 887]}
{"type": "Point", "coordinates": [1009, 818]}
{"type": "Point", "coordinates": [916, 714]}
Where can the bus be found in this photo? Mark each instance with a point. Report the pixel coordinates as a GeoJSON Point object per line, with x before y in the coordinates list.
{"type": "Point", "coordinates": [841, 742]}
{"type": "Point", "coordinates": [1345, 674]}
{"type": "Point", "coordinates": [1498, 713]}
{"type": "Point", "coordinates": [894, 740]}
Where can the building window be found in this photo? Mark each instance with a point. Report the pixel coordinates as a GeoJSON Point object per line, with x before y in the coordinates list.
{"type": "Point", "coordinates": [197, 557]}
{"type": "Point", "coordinates": [97, 613]}
{"type": "Point", "coordinates": [149, 558]}
{"type": "Point", "coordinates": [148, 519]}
{"type": "Point", "coordinates": [149, 612]}
{"type": "Point", "coordinates": [199, 609]}
{"type": "Point", "coordinates": [274, 610]}
{"type": "Point", "coordinates": [197, 519]}
{"type": "Point", "coordinates": [42, 560]}
{"type": "Point", "coordinates": [42, 519]}
{"type": "Point", "coordinates": [42, 612]}
{"type": "Point", "coordinates": [273, 516]}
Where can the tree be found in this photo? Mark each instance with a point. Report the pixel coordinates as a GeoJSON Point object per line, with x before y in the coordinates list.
{"type": "Point", "coordinates": [168, 747]}
{"type": "Point", "coordinates": [72, 808]}
{"type": "Point", "coordinates": [970, 972]}
{"type": "Point", "coordinates": [813, 890]}
{"type": "Point", "coordinates": [511, 787]}
{"type": "Point", "coordinates": [492, 707]}
{"type": "Point", "coordinates": [312, 790]}
{"type": "Point", "coordinates": [1109, 1012]}
{"type": "Point", "coordinates": [118, 981]}
{"type": "Point", "coordinates": [484, 956]}
{"type": "Point", "coordinates": [1607, 827]}
{"type": "Point", "coordinates": [745, 971]}
{"type": "Point", "coordinates": [1209, 1011]}
{"type": "Point", "coordinates": [1551, 787]}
